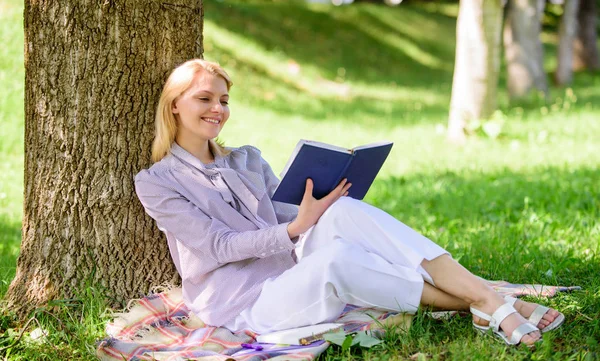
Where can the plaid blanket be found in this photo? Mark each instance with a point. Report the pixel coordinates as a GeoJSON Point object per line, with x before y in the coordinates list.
{"type": "Point", "coordinates": [160, 327]}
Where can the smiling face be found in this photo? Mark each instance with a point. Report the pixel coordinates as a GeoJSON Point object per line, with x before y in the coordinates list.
{"type": "Point", "coordinates": [202, 110]}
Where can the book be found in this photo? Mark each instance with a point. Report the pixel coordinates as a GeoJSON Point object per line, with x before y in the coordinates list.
{"type": "Point", "coordinates": [327, 165]}
{"type": "Point", "coordinates": [301, 335]}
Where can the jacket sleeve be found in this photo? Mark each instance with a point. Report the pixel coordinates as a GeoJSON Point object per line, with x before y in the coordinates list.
{"type": "Point", "coordinates": [203, 234]}
{"type": "Point", "coordinates": [284, 212]}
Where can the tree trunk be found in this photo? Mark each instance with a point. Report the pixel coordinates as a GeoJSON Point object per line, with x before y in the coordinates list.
{"type": "Point", "coordinates": [567, 32]}
{"type": "Point", "coordinates": [586, 47]}
{"type": "Point", "coordinates": [477, 64]}
{"type": "Point", "coordinates": [523, 49]}
{"type": "Point", "coordinates": [93, 75]}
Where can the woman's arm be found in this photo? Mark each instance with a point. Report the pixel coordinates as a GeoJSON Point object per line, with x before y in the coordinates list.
{"type": "Point", "coordinates": [203, 234]}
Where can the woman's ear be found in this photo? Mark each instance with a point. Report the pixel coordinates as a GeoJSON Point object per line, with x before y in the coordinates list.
{"type": "Point", "coordinates": [174, 108]}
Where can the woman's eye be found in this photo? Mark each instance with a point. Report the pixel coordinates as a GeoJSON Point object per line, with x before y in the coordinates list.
{"type": "Point", "coordinates": [225, 102]}
{"type": "Point", "coordinates": [204, 99]}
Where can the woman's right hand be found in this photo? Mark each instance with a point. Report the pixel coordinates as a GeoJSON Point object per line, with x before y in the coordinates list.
{"type": "Point", "coordinates": [311, 209]}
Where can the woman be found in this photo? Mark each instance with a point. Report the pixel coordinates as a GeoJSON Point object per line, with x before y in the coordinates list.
{"type": "Point", "coordinates": [249, 263]}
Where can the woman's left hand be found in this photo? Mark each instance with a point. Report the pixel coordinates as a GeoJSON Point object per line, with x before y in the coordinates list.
{"type": "Point", "coordinates": [311, 209]}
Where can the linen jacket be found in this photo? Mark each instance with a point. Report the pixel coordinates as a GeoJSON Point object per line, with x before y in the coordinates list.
{"type": "Point", "coordinates": [225, 235]}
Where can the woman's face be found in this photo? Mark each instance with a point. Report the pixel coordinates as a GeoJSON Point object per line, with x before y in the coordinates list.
{"type": "Point", "coordinates": [202, 110]}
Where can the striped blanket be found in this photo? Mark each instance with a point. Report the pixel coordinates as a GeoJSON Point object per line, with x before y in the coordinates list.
{"type": "Point", "coordinates": [160, 327]}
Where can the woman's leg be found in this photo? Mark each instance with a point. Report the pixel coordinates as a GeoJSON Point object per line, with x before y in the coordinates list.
{"type": "Point", "coordinates": [380, 233]}
{"type": "Point", "coordinates": [457, 281]}
{"type": "Point", "coordinates": [374, 230]}
{"type": "Point", "coordinates": [441, 301]}
{"type": "Point", "coordinates": [318, 288]}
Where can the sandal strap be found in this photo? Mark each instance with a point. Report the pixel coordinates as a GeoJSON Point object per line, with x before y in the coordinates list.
{"type": "Point", "coordinates": [500, 315]}
{"type": "Point", "coordinates": [522, 330]}
{"type": "Point", "coordinates": [538, 314]}
{"type": "Point", "coordinates": [510, 300]}
{"type": "Point", "coordinates": [481, 314]}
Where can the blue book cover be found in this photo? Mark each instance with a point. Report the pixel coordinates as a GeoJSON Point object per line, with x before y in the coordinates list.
{"type": "Point", "coordinates": [327, 165]}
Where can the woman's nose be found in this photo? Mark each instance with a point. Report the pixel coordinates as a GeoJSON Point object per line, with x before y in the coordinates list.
{"type": "Point", "coordinates": [217, 107]}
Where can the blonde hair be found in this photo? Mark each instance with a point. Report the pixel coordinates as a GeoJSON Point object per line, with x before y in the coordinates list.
{"type": "Point", "coordinates": [177, 83]}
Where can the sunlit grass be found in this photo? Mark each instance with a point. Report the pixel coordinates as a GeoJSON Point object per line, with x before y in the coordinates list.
{"type": "Point", "coordinates": [11, 138]}
{"type": "Point", "coordinates": [12, 77]}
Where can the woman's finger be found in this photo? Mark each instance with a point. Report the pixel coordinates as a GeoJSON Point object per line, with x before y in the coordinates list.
{"type": "Point", "coordinates": [341, 187]}
{"type": "Point", "coordinates": [336, 192]}
{"type": "Point", "coordinates": [308, 190]}
{"type": "Point", "coordinates": [346, 187]}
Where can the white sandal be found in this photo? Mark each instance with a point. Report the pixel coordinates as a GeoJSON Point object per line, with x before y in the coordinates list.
{"type": "Point", "coordinates": [496, 319]}
{"type": "Point", "coordinates": [537, 315]}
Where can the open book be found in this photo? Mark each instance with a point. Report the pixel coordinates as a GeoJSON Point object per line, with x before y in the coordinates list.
{"type": "Point", "coordinates": [327, 165]}
{"type": "Point", "coordinates": [300, 336]}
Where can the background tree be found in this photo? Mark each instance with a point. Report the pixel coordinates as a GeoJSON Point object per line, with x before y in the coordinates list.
{"type": "Point", "coordinates": [93, 74]}
{"type": "Point", "coordinates": [523, 48]}
{"type": "Point", "coordinates": [585, 54]}
{"type": "Point", "coordinates": [567, 32]}
{"type": "Point", "coordinates": [477, 64]}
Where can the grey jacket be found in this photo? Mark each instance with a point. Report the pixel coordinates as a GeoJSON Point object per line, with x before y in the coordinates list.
{"type": "Point", "coordinates": [225, 235]}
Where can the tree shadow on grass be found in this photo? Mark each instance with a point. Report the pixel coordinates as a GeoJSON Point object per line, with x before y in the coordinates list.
{"type": "Point", "coordinates": [361, 78]}
{"type": "Point", "coordinates": [270, 91]}
{"type": "Point", "coordinates": [262, 89]}
{"type": "Point", "coordinates": [428, 42]}
{"type": "Point", "coordinates": [330, 39]}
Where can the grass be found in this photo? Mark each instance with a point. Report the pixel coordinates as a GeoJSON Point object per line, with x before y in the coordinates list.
{"type": "Point", "coordinates": [11, 137]}
{"type": "Point", "coordinates": [522, 206]}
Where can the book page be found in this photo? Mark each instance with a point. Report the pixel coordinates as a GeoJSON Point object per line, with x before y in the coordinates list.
{"type": "Point", "coordinates": [328, 146]}
{"type": "Point", "coordinates": [295, 335]}
{"type": "Point", "coordinates": [372, 145]}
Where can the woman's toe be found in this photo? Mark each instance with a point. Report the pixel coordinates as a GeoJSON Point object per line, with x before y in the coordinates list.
{"type": "Point", "coordinates": [527, 308]}
{"type": "Point", "coordinates": [531, 338]}
{"type": "Point", "coordinates": [550, 316]}
{"type": "Point", "coordinates": [552, 313]}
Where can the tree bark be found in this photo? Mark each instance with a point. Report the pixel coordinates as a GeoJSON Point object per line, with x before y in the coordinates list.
{"type": "Point", "coordinates": [93, 74]}
{"type": "Point", "coordinates": [585, 54]}
{"type": "Point", "coordinates": [477, 64]}
{"type": "Point", "coordinates": [567, 32]}
{"type": "Point", "coordinates": [523, 49]}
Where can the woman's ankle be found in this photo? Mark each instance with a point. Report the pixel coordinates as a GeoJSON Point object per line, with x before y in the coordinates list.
{"type": "Point", "coordinates": [487, 302]}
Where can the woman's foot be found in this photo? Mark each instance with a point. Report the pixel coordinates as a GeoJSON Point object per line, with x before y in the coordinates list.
{"type": "Point", "coordinates": [509, 324]}
{"type": "Point", "coordinates": [526, 309]}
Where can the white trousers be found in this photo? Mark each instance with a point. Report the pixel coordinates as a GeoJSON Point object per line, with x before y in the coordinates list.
{"type": "Point", "coordinates": [356, 254]}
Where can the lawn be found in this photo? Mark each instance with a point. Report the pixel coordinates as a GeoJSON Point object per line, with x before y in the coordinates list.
{"type": "Point", "coordinates": [523, 206]}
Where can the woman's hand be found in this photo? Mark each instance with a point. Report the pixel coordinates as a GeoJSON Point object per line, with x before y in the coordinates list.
{"type": "Point", "coordinates": [312, 209]}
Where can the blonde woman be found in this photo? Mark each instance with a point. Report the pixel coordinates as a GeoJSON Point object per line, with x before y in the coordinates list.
{"type": "Point", "coordinates": [247, 262]}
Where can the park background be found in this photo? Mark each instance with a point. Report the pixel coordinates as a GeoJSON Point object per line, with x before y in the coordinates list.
{"type": "Point", "coordinates": [519, 200]}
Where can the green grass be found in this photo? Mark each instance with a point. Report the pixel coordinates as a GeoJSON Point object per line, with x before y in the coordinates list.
{"type": "Point", "coordinates": [522, 207]}
{"type": "Point", "coordinates": [11, 137]}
